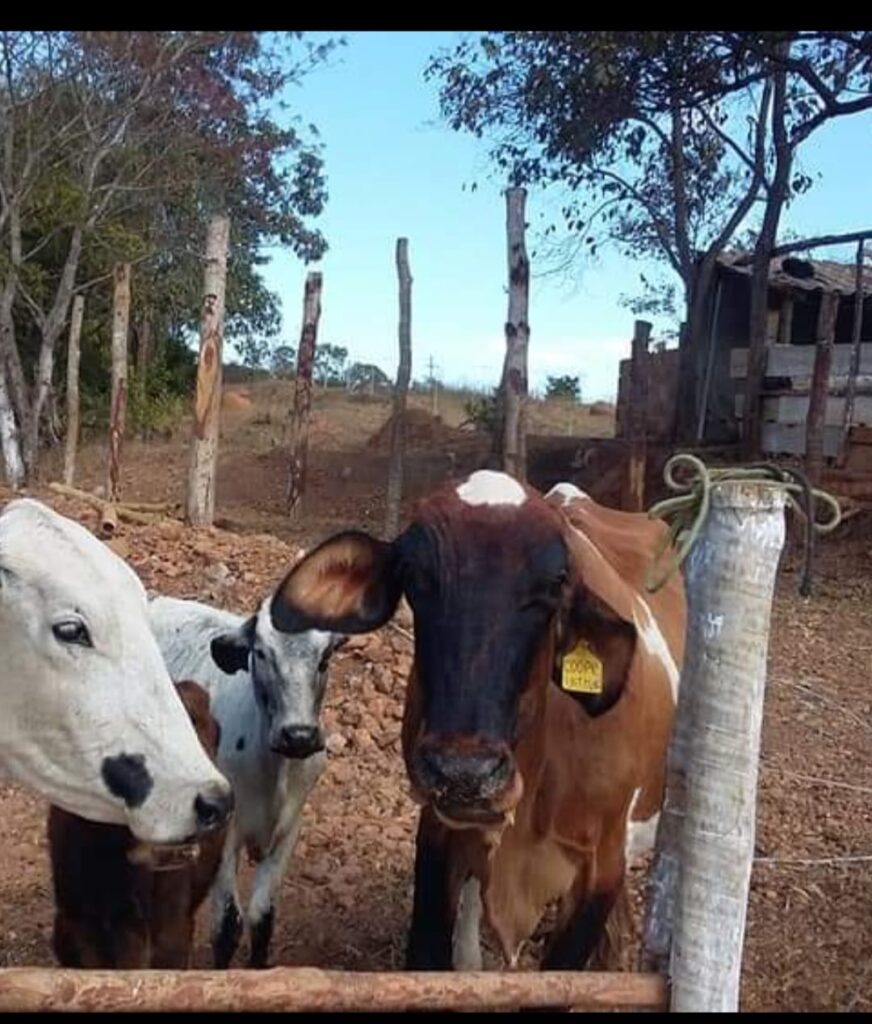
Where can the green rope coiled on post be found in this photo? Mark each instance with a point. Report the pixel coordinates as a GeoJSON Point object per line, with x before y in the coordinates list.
{"type": "Point", "coordinates": [686, 513]}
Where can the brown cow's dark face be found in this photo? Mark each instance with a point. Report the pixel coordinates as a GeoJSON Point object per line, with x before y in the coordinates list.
{"type": "Point", "coordinates": [488, 567]}
{"type": "Point", "coordinates": [484, 585]}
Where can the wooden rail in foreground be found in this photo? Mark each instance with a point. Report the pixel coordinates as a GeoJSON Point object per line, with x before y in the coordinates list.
{"type": "Point", "coordinates": [283, 989]}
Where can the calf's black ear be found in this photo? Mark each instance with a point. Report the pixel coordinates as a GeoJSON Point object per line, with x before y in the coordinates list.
{"type": "Point", "coordinates": [231, 650]}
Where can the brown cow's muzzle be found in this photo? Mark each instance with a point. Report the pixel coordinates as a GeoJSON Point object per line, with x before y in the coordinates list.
{"type": "Point", "coordinates": [467, 783]}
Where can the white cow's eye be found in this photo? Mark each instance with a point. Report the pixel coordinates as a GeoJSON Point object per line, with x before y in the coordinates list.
{"type": "Point", "coordinates": [72, 631]}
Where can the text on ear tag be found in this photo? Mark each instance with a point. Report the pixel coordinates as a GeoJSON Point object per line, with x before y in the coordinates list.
{"type": "Point", "coordinates": [582, 671]}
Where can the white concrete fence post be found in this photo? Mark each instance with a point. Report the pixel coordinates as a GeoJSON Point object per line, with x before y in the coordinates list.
{"type": "Point", "coordinates": [701, 875]}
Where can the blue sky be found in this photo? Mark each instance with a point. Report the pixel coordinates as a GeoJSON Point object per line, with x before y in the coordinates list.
{"type": "Point", "coordinates": [394, 170]}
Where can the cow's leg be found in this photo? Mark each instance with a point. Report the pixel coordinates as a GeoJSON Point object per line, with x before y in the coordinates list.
{"type": "Point", "coordinates": [466, 939]}
{"type": "Point", "coordinates": [271, 870]}
{"type": "Point", "coordinates": [586, 909]}
{"type": "Point", "coordinates": [226, 912]}
{"type": "Point", "coordinates": [433, 911]}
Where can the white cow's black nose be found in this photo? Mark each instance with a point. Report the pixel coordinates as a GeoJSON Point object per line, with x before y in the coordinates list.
{"type": "Point", "coordinates": [299, 741]}
{"type": "Point", "coordinates": [212, 809]}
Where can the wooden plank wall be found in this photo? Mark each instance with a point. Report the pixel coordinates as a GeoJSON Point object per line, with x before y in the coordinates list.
{"type": "Point", "coordinates": [785, 400]}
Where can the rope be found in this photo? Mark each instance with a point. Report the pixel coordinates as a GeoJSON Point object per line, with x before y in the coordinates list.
{"type": "Point", "coordinates": [687, 513]}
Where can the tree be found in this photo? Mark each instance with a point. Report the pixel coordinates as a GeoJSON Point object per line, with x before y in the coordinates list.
{"type": "Point", "coordinates": [633, 126]}
{"type": "Point", "coordinates": [663, 141]}
{"type": "Point", "coordinates": [330, 365]}
{"type": "Point", "coordinates": [363, 377]}
{"type": "Point", "coordinates": [563, 387]}
{"type": "Point", "coordinates": [283, 360]}
{"type": "Point", "coordinates": [818, 77]}
{"type": "Point", "coordinates": [118, 146]}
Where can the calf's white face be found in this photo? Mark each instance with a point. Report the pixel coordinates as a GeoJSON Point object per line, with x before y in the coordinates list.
{"type": "Point", "coordinates": [88, 714]}
{"type": "Point", "coordinates": [289, 673]}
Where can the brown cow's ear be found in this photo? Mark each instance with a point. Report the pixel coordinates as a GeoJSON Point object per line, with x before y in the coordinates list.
{"type": "Point", "coordinates": [593, 653]}
{"type": "Point", "coordinates": [349, 584]}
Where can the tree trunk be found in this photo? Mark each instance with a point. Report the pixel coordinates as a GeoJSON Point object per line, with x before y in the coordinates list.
{"type": "Point", "coordinates": [820, 387]}
{"type": "Point", "coordinates": [51, 326]}
{"type": "Point", "coordinates": [775, 199]}
{"type": "Point", "coordinates": [118, 407]}
{"type": "Point", "coordinates": [303, 395]}
{"type": "Point", "coordinates": [14, 454]}
{"type": "Point", "coordinates": [730, 578]}
{"type": "Point", "coordinates": [143, 348]}
{"type": "Point", "coordinates": [9, 439]}
{"type": "Point", "coordinates": [72, 438]}
{"type": "Point", "coordinates": [634, 494]}
{"type": "Point", "coordinates": [404, 372]}
{"type": "Point", "coordinates": [514, 379]}
{"type": "Point", "coordinates": [854, 366]}
{"type": "Point", "coordinates": [200, 497]}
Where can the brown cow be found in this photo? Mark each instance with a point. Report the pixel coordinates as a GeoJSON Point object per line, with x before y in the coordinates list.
{"type": "Point", "coordinates": [113, 909]}
{"type": "Point", "coordinates": [538, 708]}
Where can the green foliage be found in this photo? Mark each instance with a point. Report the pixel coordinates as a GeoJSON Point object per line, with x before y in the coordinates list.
{"type": "Point", "coordinates": [361, 377]}
{"type": "Point", "coordinates": [329, 368]}
{"type": "Point", "coordinates": [563, 387]}
{"type": "Point", "coordinates": [482, 411]}
{"type": "Point", "coordinates": [283, 361]}
{"type": "Point", "coordinates": [157, 404]}
{"type": "Point", "coordinates": [138, 138]}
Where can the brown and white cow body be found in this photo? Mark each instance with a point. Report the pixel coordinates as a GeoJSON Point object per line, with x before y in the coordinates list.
{"type": "Point", "coordinates": [112, 908]}
{"type": "Point", "coordinates": [529, 793]}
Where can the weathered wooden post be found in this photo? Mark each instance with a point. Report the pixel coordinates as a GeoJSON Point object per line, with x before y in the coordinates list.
{"type": "Point", "coordinates": [854, 365]}
{"type": "Point", "coordinates": [705, 845]}
{"type": "Point", "coordinates": [637, 417]}
{"type": "Point", "coordinates": [404, 372]}
{"type": "Point", "coordinates": [820, 386]}
{"type": "Point", "coordinates": [200, 498]}
{"type": "Point", "coordinates": [118, 406]}
{"type": "Point", "coordinates": [73, 352]}
{"type": "Point", "coordinates": [303, 394]}
{"type": "Point", "coordinates": [514, 381]}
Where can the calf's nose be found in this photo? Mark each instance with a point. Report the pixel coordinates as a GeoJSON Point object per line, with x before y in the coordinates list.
{"type": "Point", "coordinates": [299, 741]}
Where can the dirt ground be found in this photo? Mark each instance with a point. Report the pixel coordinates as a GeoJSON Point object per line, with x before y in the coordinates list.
{"type": "Point", "coordinates": [346, 899]}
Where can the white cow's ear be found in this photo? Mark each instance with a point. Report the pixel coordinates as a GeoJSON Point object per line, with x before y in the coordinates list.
{"type": "Point", "coordinates": [231, 650]}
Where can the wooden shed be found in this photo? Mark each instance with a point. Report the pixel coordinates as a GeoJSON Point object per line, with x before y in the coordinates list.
{"type": "Point", "coordinates": [714, 364]}
{"type": "Point", "coordinates": [717, 362]}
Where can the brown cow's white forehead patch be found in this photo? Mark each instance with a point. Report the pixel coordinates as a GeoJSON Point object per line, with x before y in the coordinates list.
{"type": "Point", "coordinates": [487, 487]}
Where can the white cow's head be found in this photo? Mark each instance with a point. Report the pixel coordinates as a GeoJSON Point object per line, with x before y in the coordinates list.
{"type": "Point", "coordinates": [88, 714]}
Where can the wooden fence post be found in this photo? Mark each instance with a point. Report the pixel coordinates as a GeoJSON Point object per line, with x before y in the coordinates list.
{"type": "Point", "coordinates": [514, 382]}
{"type": "Point", "coordinates": [118, 407]}
{"type": "Point", "coordinates": [303, 395]}
{"type": "Point", "coordinates": [404, 372]}
{"type": "Point", "coordinates": [637, 417]}
{"type": "Point", "coordinates": [73, 351]}
{"type": "Point", "coordinates": [854, 365]}
{"type": "Point", "coordinates": [200, 498]}
{"type": "Point", "coordinates": [820, 386]}
{"type": "Point", "coordinates": [705, 843]}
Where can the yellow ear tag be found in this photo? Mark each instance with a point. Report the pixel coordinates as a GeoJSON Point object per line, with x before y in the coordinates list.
{"type": "Point", "coordinates": [582, 671]}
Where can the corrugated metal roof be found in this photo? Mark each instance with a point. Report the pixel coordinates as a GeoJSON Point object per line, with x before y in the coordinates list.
{"type": "Point", "coordinates": [826, 275]}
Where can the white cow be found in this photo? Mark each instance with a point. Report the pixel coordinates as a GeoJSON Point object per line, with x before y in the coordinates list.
{"type": "Point", "coordinates": [266, 688]}
{"type": "Point", "coordinates": [89, 716]}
